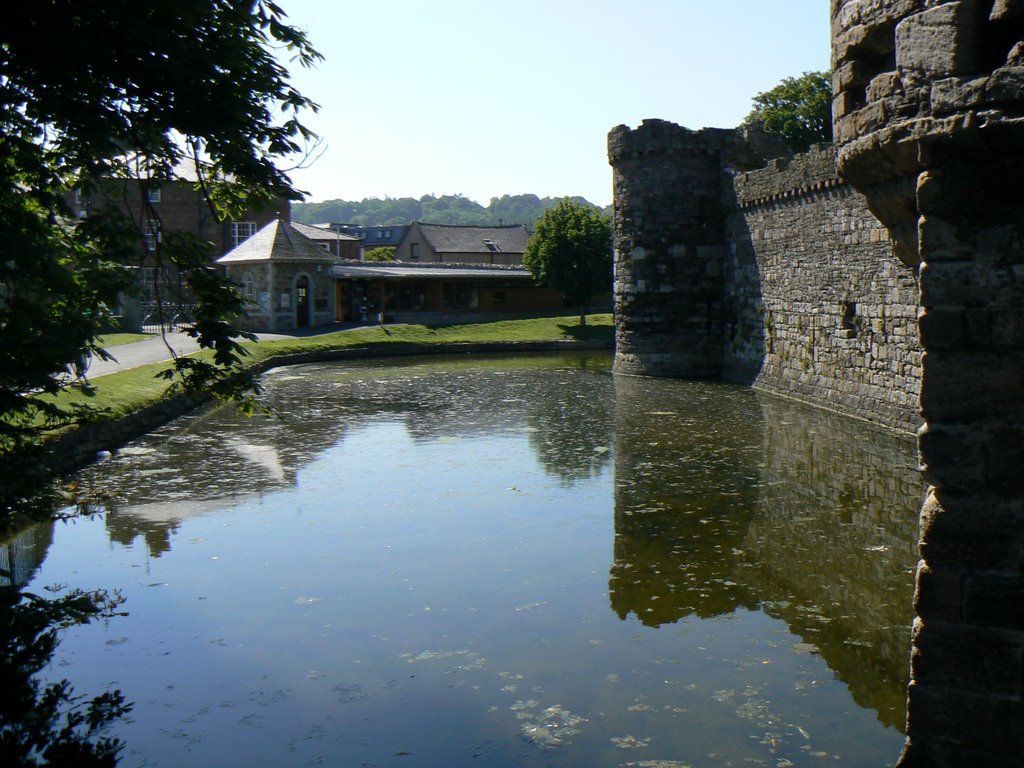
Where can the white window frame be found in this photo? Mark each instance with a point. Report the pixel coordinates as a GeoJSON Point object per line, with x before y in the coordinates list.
{"type": "Point", "coordinates": [250, 287]}
{"type": "Point", "coordinates": [153, 194]}
{"type": "Point", "coordinates": [241, 231]}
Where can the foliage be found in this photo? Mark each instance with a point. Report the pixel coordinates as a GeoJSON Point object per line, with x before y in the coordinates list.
{"type": "Point", "coordinates": [571, 251]}
{"type": "Point", "coordinates": [447, 209]}
{"type": "Point", "coordinates": [46, 724]}
{"type": "Point", "coordinates": [799, 109]}
{"type": "Point", "coordinates": [384, 253]}
{"type": "Point", "coordinates": [114, 93]}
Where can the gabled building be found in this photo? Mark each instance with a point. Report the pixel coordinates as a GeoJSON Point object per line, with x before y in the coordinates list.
{"type": "Point", "coordinates": [448, 243]}
{"type": "Point", "coordinates": [284, 278]}
{"type": "Point", "coordinates": [157, 208]}
{"type": "Point", "coordinates": [343, 246]}
{"type": "Point", "coordinates": [378, 236]}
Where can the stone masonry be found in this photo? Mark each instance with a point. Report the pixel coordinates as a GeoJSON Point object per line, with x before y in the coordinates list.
{"type": "Point", "coordinates": [929, 123]}
{"type": "Point", "coordinates": [780, 277]}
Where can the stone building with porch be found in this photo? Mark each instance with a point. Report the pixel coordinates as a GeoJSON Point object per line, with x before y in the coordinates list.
{"type": "Point", "coordinates": [284, 278]}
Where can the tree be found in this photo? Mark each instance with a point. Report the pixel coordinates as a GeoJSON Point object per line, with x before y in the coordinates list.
{"type": "Point", "coordinates": [799, 109]}
{"type": "Point", "coordinates": [127, 91]}
{"type": "Point", "coordinates": [571, 251]}
{"type": "Point", "coordinates": [383, 253]}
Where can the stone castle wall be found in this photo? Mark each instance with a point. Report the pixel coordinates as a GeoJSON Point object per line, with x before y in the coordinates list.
{"type": "Point", "coordinates": [775, 275]}
{"type": "Point", "coordinates": [811, 272]}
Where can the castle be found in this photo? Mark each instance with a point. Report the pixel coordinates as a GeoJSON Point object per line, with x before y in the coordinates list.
{"type": "Point", "coordinates": [882, 278]}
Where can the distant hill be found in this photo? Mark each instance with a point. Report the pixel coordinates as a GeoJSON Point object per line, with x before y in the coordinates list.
{"type": "Point", "coordinates": [447, 209]}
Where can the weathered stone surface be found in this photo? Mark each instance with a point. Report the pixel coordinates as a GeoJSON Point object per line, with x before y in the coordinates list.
{"type": "Point", "coordinates": [978, 532]}
{"type": "Point", "coordinates": [780, 276]}
{"type": "Point", "coordinates": [943, 172]}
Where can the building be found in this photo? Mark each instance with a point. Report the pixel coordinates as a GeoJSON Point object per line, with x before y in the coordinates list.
{"type": "Point", "coordinates": [285, 279]}
{"type": "Point", "coordinates": [344, 246]}
{"type": "Point", "coordinates": [463, 244]}
{"type": "Point", "coordinates": [399, 291]}
{"type": "Point", "coordinates": [157, 208]}
{"type": "Point", "coordinates": [382, 236]}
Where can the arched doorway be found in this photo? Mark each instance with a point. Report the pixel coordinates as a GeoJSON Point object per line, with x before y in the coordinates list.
{"type": "Point", "coordinates": [303, 302]}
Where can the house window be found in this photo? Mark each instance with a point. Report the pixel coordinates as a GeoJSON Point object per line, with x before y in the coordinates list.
{"type": "Point", "coordinates": [152, 234]}
{"type": "Point", "coordinates": [241, 231]}
{"type": "Point", "coordinates": [250, 287]}
{"type": "Point", "coordinates": [414, 251]}
{"type": "Point", "coordinates": [380, 234]}
{"type": "Point", "coordinates": [153, 194]}
{"type": "Point", "coordinates": [78, 197]}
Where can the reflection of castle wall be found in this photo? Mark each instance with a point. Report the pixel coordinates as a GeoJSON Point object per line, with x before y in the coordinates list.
{"type": "Point", "coordinates": [685, 484]}
{"type": "Point", "coordinates": [725, 499]}
{"type": "Point", "coordinates": [23, 553]}
{"type": "Point", "coordinates": [833, 545]}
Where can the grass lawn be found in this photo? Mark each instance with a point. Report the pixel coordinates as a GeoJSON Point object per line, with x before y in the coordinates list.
{"type": "Point", "coordinates": [128, 390]}
{"type": "Point", "coordinates": [116, 339]}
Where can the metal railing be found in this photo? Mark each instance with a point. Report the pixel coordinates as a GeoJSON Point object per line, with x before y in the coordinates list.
{"type": "Point", "coordinates": [166, 317]}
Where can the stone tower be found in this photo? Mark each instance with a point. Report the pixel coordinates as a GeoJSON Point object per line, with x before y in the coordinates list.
{"type": "Point", "coordinates": [929, 124]}
{"type": "Point", "coordinates": [673, 190]}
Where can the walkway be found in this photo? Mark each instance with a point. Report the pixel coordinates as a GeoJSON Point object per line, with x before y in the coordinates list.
{"type": "Point", "coordinates": [154, 349]}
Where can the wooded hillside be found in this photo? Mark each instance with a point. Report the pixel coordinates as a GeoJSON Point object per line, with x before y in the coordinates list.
{"type": "Point", "coordinates": [447, 209]}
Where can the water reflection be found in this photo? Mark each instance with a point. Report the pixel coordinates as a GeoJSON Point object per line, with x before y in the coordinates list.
{"type": "Point", "coordinates": [22, 552]}
{"type": "Point", "coordinates": [766, 504]}
{"type": "Point", "coordinates": [687, 460]}
{"type": "Point", "coordinates": [457, 515]}
{"type": "Point", "coordinates": [214, 458]}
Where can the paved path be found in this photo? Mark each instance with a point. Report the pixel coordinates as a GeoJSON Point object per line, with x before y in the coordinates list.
{"type": "Point", "coordinates": [154, 350]}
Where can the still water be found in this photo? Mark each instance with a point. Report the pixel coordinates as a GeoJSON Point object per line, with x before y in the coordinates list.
{"type": "Point", "coordinates": [501, 562]}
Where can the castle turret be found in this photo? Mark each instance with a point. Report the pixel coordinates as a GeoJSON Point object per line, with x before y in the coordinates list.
{"type": "Point", "coordinates": [672, 193]}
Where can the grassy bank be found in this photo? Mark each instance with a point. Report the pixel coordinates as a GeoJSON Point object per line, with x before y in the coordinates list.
{"type": "Point", "coordinates": [129, 390]}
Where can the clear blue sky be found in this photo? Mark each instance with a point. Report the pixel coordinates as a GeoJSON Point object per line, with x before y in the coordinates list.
{"type": "Point", "coordinates": [484, 98]}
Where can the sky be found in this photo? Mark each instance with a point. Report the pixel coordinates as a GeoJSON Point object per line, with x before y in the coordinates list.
{"type": "Point", "coordinates": [485, 98]}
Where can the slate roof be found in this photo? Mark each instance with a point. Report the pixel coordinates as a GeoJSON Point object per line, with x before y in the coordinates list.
{"type": "Point", "coordinates": [451, 238]}
{"type": "Point", "coordinates": [404, 269]}
{"type": "Point", "coordinates": [321, 233]}
{"type": "Point", "coordinates": [277, 241]}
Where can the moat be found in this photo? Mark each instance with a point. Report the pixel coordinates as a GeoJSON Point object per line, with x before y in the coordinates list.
{"type": "Point", "coordinates": [501, 561]}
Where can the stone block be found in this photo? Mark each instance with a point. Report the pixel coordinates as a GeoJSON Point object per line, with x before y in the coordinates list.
{"type": "Point", "coordinates": [1004, 460]}
{"type": "Point", "coordinates": [995, 600]}
{"type": "Point", "coordinates": [938, 595]}
{"type": "Point", "coordinates": [941, 241]}
{"type": "Point", "coordinates": [951, 458]}
{"type": "Point", "coordinates": [1003, 10]}
{"type": "Point", "coordinates": [942, 328]}
{"type": "Point", "coordinates": [972, 389]}
{"type": "Point", "coordinates": [967, 658]}
{"type": "Point", "coordinates": [1005, 85]}
{"type": "Point", "coordinates": [953, 94]}
{"type": "Point", "coordinates": [946, 719]}
{"type": "Point", "coordinates": [940, 41]}
{"type": "Point", "coordinates": [972, 532]}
